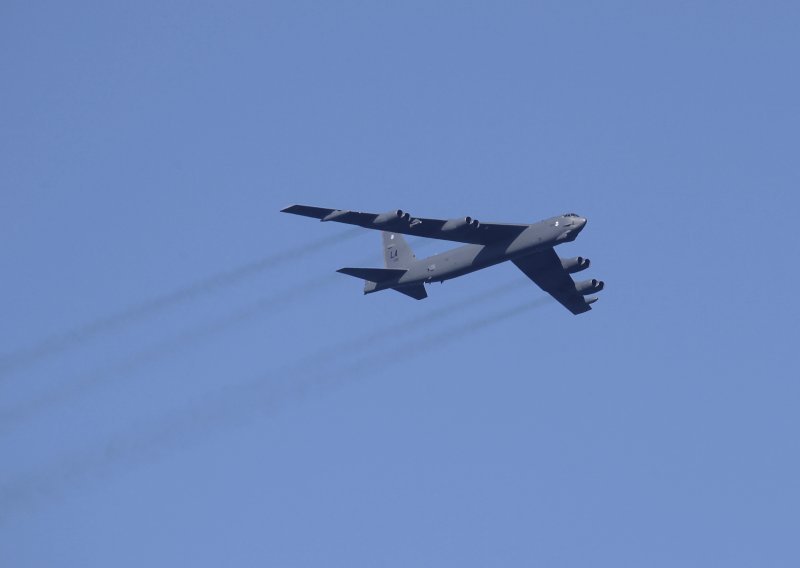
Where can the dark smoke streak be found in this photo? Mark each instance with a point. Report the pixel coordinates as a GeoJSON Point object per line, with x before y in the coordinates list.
{"type": "Point", "coordinates": [226, 408]}
{"type": "Point", "coordinates": [409, 325]}
{"type": "Point", "coordinates": [114, 372]}
{"type": "Point", "coordinates": [417, 347]}
{"type": "Point", "coordinates": [451, 334]}
{"type": "Point", "coordinates": [15, 361]}
{"type": "Point", "coordinates": [135, 362]}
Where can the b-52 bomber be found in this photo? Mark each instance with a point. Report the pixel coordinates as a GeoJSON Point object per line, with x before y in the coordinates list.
{"type": "Point", "coordinates": [529, 247]}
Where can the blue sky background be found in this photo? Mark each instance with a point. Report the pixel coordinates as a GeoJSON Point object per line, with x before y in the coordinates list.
{"type": "Point", "coordinates": [277, 417]}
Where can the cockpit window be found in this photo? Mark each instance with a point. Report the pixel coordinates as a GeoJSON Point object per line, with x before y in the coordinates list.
{"type": "Point", "coordinates": [570, 215]}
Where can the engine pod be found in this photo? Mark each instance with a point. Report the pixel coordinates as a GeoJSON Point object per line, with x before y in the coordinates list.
{"type": "Point", "coordinates": [589, 286]}
{"type": "Point", "coordinates": [573, 265]}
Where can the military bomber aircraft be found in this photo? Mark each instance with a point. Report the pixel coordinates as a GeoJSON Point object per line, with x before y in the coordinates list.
{"type": "Point", "coordinates": [529, 247]}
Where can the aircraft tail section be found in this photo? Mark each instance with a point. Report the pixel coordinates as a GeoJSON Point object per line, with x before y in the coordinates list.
{"type": "Point", "coordinates": [374, 274]}
{"type": "Point", "coordinates": [417, 291]}
{"type": "Point", "coordinates": [374, 277]}
{"type": "Point", "coordinates": [396, 252]}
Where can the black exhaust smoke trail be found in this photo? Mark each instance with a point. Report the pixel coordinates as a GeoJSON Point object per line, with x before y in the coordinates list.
{"type": "Point", "coordinates": [416, 347]}
{"type": "Point", "coordinates": [228, 408]}
{"type": "Point", "coordinates": [106, 374]}
{"type": "Point", "coordinates": [20, 359]}
{"type": "Point", "coordinates": [440, 338]}
{"type": "Point", "coordinates": [411, 325]}
{"type": "Point", "coordinates": [241, 401]}
{"type": "Point", "coordinates": [112, 373]}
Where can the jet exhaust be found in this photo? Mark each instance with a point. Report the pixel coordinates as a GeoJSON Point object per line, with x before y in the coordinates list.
{"type": "Point", "coordinates": [227, 408]}
{"type": "Point", "coordinates": [15, 361]}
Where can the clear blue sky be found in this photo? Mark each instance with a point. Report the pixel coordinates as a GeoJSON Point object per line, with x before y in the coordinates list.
{"type": "Point", "coordinates": [279, 417]}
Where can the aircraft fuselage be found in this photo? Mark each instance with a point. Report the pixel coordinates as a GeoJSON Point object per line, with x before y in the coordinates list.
{"type": "Point", "coordinates": [470, 258]}
{"type": "Point", "coordinates": [530, 247]}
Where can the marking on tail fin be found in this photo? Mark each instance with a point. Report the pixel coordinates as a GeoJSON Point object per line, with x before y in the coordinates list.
{"type": "Point", "coordinates": [396, 252]}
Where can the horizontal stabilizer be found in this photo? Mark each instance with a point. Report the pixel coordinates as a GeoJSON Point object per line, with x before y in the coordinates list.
{"type": "Point", "coordinates": [417, 291]}
{"type": "Point", "coordinates": [373, 274]}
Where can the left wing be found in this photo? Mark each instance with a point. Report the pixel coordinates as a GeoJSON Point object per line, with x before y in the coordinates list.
{"type": "Point", "coordinates": [546, 270]}
{"type": "Point", "coordinates": [463, 230]}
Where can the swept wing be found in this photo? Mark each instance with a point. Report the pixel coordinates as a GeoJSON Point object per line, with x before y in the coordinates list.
{"type": "Point", "coordinates": [465, 230]}
{"type": "Point", "coordinates": [546, 270]}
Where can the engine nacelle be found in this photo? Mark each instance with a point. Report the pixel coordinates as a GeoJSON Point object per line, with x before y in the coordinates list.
{"type": "Point", "coordinates": [589, 286]}
{"type": "Point", "coordinates": [392, 217]}
{"type": "Point", "coordinates": [461, 223]}
{"type": "Point", "coordinates": [573, 265]}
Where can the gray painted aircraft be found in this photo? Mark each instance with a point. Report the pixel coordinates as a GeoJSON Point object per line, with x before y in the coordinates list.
{"type": "Point", "coordinates": [529, 247]}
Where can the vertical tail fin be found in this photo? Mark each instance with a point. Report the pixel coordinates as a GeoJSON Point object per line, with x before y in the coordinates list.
{"type": "Point", "coordinates": [396, 252]}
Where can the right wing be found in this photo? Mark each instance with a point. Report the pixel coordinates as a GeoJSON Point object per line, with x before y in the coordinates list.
{"type": "Point", "coordinates": [546, 270]}
{"type": "Point", "coordinates": [459, 230]}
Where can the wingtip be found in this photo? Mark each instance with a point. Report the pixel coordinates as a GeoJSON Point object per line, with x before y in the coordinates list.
{"type": "Point", "coordinates": [288, 209]}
